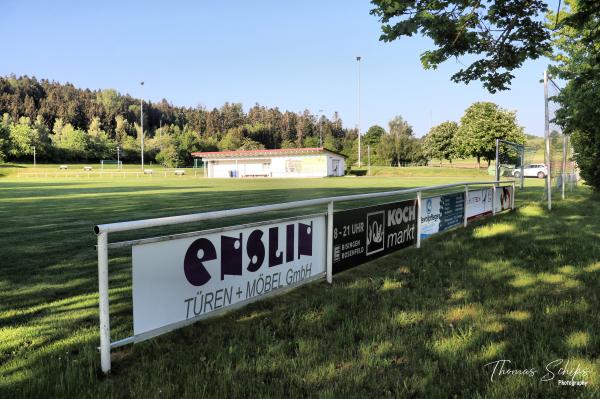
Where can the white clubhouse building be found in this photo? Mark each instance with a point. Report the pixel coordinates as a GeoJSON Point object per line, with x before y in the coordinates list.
{"type": "Point", "coordinates": [285, 162]}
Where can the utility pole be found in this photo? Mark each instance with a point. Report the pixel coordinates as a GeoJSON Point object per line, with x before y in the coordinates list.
{"type": "Point", "coordinates": [320, 128]}
{"type": "Point", "coordinates": [359, 144]}
{"type": "Point", "coordinates": [547, 137]}
{"type": "Point", "coordinates": [142, 125]}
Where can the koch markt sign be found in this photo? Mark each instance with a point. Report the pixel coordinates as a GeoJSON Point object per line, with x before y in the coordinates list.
{"type": "Point", "coordinates": [363, 234]}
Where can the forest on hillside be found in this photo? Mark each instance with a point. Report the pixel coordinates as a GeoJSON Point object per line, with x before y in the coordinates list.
{"type": "Point", "coordinates": [66, 123]}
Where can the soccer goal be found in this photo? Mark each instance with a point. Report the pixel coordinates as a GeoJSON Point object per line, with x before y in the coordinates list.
{"type": "Point", "coordinates": [510, 159]}
{"type": "Point", "coordinates": [109, 163]}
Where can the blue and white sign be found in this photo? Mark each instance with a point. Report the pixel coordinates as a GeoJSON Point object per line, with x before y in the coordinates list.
{"type": "Point", "coordinates": [442, 213]}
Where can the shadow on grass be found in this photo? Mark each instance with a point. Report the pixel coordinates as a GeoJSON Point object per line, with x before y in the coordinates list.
{"type": "Point", "coordinates": [418, 323]}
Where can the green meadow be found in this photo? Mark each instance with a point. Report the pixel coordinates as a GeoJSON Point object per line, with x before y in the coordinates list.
{"type": "Point", "coordinates": [420, 323]}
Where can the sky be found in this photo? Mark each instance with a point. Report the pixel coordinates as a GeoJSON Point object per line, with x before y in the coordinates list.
{"type": "Point", "coordinates": [292, 55]}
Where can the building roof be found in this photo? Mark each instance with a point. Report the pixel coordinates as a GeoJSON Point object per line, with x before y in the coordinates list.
{"type": "Point", "coordinates": [264, 153]}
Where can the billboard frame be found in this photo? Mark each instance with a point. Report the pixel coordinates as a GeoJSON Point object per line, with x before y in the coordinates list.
{"type": "Point", "coordinates": [102, 232]}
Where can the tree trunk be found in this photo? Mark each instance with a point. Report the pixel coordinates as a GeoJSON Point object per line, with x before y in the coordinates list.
{"type": "Point", "coordinates": [478, 162]}
{"type": "Point", "coordinates": [489, 161]}
{"type": "Point", "coordinates": [450, 162]}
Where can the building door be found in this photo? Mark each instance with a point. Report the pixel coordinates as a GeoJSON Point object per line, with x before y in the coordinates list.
{"type": "Point", "coordinates": [335, 167]}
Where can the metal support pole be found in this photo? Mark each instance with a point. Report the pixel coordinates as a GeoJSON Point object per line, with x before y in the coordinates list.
{"type": "Point", "coordinates": [547, 137]}
{"type": "Point", "coordinates": [330, 242]}
{"type": "Point", "coordinates": [142, 127]}
{"type": "Point", "coordinates": [418, 212]}
{"type": "Point", "coordinates": [512, 197]}
{"type": "Point", "coordinates": [466, 204]}
{"type": "Point", "coordinates": [522, 167]}
{"type": "Point", "coordinates": [494, 198]}
{"type": "Point", "coordinates": [497, 160]}
{"type": "Point", "coordinates": [103, 302]}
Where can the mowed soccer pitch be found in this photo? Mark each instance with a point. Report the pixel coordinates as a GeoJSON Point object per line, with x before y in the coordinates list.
{"type": "Point", "coordinates": [422, 322]}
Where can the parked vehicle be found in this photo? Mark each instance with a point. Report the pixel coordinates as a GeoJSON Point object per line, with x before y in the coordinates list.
{"type": "Point", "coordinates": [538, 170]}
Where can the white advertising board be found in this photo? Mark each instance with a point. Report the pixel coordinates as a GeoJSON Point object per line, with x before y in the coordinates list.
{"type": "Point", "coordinates": [479, 203]}
{"type": "Point", "coordinates": [181, 279]}
{"type": "Point", "coordinates": [503, 198]}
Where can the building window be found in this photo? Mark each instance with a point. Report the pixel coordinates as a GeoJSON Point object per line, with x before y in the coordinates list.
{"type": "Point", "coordinates": [292, 166]}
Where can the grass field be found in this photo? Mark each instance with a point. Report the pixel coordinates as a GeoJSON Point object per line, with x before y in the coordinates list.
{"type": "Point", "coordinates": [419, 323]}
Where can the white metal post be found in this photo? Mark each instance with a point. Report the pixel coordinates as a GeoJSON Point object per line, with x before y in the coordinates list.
{"type": "Point", "coordinates": [512, 197]}
{"type": "Point", "coordinates": [142, 127]}
{"type": "Point", "coordinates": [547, 136]}
{"type": "Point", "coordinates": [466, 203]}
{"type": "Point", "coordinates": [494, 199]}
{"type": "Point", "coordinates": [330, 242]}
{"type": "Point", "coordinates": [103, 302]}
{"type": "Point", "coordinates": [522, 166]}
{"type": "Point", "coordinates": [418, 212]}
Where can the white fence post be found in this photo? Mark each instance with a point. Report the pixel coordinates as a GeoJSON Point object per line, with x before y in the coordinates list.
{"type": "Point", "coordinates": [466, 203]}
{"type": "Point", "coordinates": [103, 302]}
{"type": "Point", "coordinates": [494, 199]}
{"type": "Point", "coordinates": [330, 242]}
{"type": "Point", "coordinates": [512, 197]}
{"type": "Point", "coordinates": [418, 212]}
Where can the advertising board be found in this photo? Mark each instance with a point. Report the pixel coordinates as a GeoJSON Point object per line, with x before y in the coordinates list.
{"type": "Point", "coordinates": [180, 279]}
{"type": "Point", "coordinates": [503, 198]}
{"type": "Point", "coordinates": [363, 234]}
{"type": "Point", "coordinates": [479, 203]}
{"type": "Point", "coordinates": [442, 213]}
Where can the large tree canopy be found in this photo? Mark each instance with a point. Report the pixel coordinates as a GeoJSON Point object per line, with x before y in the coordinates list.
{"type": "Point", "coordinates": [499, 34]}
{"type": "Point", "coordinates": [481, 125]}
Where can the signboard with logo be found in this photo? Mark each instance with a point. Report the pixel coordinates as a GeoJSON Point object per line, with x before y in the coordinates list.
{"type": "Point", "coordinates": [479, 203]}
{"type": "Point", "coordinates": [503, 198]}
{"type": "Point", "coordinates": [442, 213]}
{"type": "Point", "coordinates": [363, 234]}
{"type": "Point", "coordinates": [180, 279]}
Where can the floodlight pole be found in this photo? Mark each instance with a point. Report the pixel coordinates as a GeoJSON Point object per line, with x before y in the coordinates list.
{"type": "Point", "coordinates": [320, 128]}
{"type": "Point", "coordinates": [547, 137]}
{"type": "Point", "coordinates": [142, 125]}
{"type": "Point", "coordinates": [358, 126]}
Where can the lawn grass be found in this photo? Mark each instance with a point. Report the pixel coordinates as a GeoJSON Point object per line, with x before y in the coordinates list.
{"type": "Point", "coordinates": [419, 323]}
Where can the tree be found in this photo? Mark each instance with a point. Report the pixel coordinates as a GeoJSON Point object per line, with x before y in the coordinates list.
{"type": "Point", "coordinates": [4, 138]}
{"type": "Point", "coordinates": [232, 139]}
{"type": "Point", "coordinates": [577, 58]}
{"type": "Point", "coordinates": [373, 135]}
{"type": "Point", "coordinates": [505, 32]}
{"type": "Point", "coordinates": [438, 143]}
{"type": "Point", "coordinates": [399, 145]}
{"type": "Point", "coordinates": [249, 144]}
{"type": "Point", "coordinates": [72, 141]}
{"type": "Point", "coordinates": [23, 137]}
{"type": "Point", "coordinates": [480, 126]}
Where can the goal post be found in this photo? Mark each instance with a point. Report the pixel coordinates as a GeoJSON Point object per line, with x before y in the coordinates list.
{"type": "Point", "coordinates": [107, 162]}
{"type": "Point", "coordinates": [510, 160]}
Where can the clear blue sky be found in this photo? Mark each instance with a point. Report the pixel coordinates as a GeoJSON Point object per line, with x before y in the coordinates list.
{"type": "Point", "coordinates": [293, 55]}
